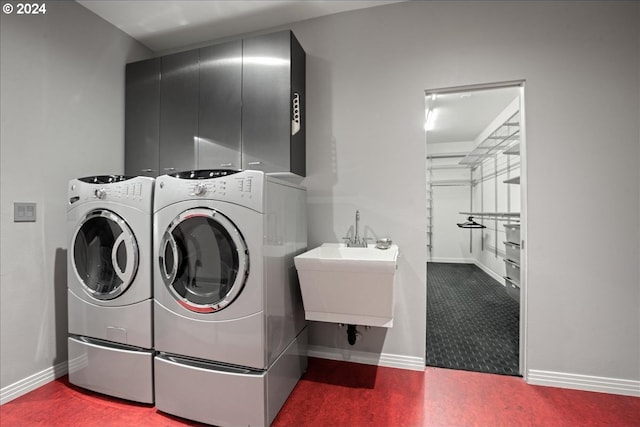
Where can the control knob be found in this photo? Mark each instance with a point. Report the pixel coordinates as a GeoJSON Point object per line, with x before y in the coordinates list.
{"type": "Point", "coordinates": [199, 189]}
{"type": "Point", "coordinates": [100, 193]}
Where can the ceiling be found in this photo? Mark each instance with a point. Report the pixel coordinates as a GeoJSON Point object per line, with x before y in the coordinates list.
{"type": "Point", "coordinates": [165, 24]}
{"type": "Point", "coordinates": [462, 116]}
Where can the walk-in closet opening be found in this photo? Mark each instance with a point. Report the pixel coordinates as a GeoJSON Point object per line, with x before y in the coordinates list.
{"type": "Point", "coordinates": [476, 221]}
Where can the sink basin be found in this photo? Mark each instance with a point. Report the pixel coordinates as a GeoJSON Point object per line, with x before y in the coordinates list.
{"type": "Point", "coordinates": [348, 285]}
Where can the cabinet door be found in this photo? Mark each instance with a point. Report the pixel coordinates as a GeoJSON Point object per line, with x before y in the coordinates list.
{"type": "Point", "coordinates": [266, 111]}
{"type": "Point", "coordinates": [298, 119]}
{"type": "Point", "coordinates": [142, 118]}
{"type": "Point", "coordinates": [178, 112]}
{"type": "Point", "coordinates": [220, 115]}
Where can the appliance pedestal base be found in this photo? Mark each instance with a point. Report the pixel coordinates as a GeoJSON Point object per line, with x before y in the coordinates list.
{"type": "Point", "coordinates": [119, 371]}
{"type": "Point", "coordinates": [226, 395]}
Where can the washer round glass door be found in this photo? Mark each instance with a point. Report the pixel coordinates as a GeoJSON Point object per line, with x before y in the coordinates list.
{"type": "Point", "coordinates": [105, 254]}
{"type": "Point", "coordinates": [204, 260]}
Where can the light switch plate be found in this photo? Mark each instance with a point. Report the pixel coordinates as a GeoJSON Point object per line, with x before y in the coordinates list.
{"type": "Point", "coordinates": [24, 212]}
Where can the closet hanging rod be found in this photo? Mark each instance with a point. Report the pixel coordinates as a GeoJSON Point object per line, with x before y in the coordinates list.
{"type": "Point", "coordinates": [496, 215]}
{"type": "Point", "coordinates": [449, 183]}
{"type": "Point", "coordinates": [437, 167]}
{"type": "Point", "coordinates": [499, 172]}
{"type": "Point", "coordinates": [445, 155]}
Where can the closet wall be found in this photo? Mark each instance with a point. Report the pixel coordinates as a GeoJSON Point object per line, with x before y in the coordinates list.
{"type": "Point", "coordinates": [448, 193]}
{"type": "Point", "coordinates": [461, 179]}
{"type": "Point", "coordinates": [491, 194]}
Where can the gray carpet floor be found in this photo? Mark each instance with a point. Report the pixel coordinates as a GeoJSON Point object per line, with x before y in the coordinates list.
{"type": "Point", "coordinates": [472, 324]}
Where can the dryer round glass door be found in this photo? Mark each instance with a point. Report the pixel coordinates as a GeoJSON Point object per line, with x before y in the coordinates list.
{"type": "Point", "coordinates": [105, 254]}
{"type": "Point", "coordinates": [204, 261]}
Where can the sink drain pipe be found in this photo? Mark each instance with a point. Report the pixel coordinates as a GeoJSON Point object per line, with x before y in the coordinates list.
{"type": "Point", "coordinates": [352, 334]}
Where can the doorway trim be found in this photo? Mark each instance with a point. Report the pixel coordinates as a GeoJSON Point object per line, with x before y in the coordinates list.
{"type": "Point", "coordinates": [523, 343]}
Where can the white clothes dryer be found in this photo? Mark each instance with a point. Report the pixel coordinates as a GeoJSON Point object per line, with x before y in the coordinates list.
{"type": "Point", "coordinates": [109, 280]}
{"type": "Point", "coordinates": [228, 312]}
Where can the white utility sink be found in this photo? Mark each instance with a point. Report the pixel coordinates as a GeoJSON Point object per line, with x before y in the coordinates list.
{"type": "Point", "coordinates": [347, 285]}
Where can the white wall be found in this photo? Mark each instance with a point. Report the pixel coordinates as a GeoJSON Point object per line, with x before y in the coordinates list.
{"type": "Point", "coordinates": [62, 116]}
{"type": "Point", "coordinates": [580, 60]}
{"type": "Point", "coordinates": [456, 188]}
{"type": "Point", "coordinates": [449, 242]}
{"type": "Point", "coordinates": [491, 194]}
{"type": "Point", "coordinates": [450, 195]}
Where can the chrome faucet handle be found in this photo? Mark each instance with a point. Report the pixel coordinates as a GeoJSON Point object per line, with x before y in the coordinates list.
{"type": "Point", "coordinates": [363, 241]}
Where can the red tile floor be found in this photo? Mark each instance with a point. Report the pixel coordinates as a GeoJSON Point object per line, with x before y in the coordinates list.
{"type": "Point", "coordinates": [345, 394]}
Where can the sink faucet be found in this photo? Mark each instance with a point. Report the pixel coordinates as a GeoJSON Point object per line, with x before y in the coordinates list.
{"type": "Point", "coordinates": [356, 241]}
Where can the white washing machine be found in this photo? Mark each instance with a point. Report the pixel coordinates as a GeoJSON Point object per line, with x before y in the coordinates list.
{"type": "Point", "coordinates": [109, 279]}
{"type": "Point", "coordinates": [229, 320]}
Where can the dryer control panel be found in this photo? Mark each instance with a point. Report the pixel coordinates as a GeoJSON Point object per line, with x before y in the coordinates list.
{"type": "Point", "coordinates": [137, 191]}
{"type": "Point", "coordinates": [243, 188]}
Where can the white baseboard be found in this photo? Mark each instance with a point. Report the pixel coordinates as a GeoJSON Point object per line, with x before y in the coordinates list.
{"type": "Point", "coordinates": [24, 386]}
{"type": "Point", "coordinates": [452, 260]}
{"type": "Point", "coordinates": [584, 382]}
{"type": "Point", "coordinates": [378, 359]}
{"type": "Point", "coordinates": [490, 272]}
{"type": "Point", "coordinates": [534, 377]}
{"type": "Point", "coordinates": [473, 261]}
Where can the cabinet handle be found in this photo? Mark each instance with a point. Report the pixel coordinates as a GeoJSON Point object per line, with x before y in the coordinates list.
{"type": "Point", "coordinates": [295, 113]}
{"type": "Point", "coordinates": [254, 163]}
{"type": "Point", "coordinates": [169, 169]}
{"type": "Point", "coordinates": [226, 165]}
{"type": "Point", "coordinates": [146, 170]}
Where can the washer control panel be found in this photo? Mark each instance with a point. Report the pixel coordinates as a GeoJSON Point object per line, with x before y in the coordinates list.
{"type": "Point", "coordinates": [208, 188]}
{"type": "Point", "coordinates": [243, 188]}
{"type": "Point", "coordinates": [136, 191]}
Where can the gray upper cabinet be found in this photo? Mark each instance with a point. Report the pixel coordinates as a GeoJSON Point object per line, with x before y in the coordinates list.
{"type": "Point", "coordinates": [220, 107]}
{"type": "Point", "coordinates": [142, 120]}
{"type": "Point", "coordinates": [179, 111]}
{"type": "Point", "coordinates": [235, 105]}
{"type": "Point", "coordinates": [273, 104]}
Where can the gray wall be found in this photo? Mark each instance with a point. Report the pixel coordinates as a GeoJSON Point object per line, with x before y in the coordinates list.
{"type": "Point", "coordinates": [62, 109]}
{"type": "Point", "coordinates": [366, 74]}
